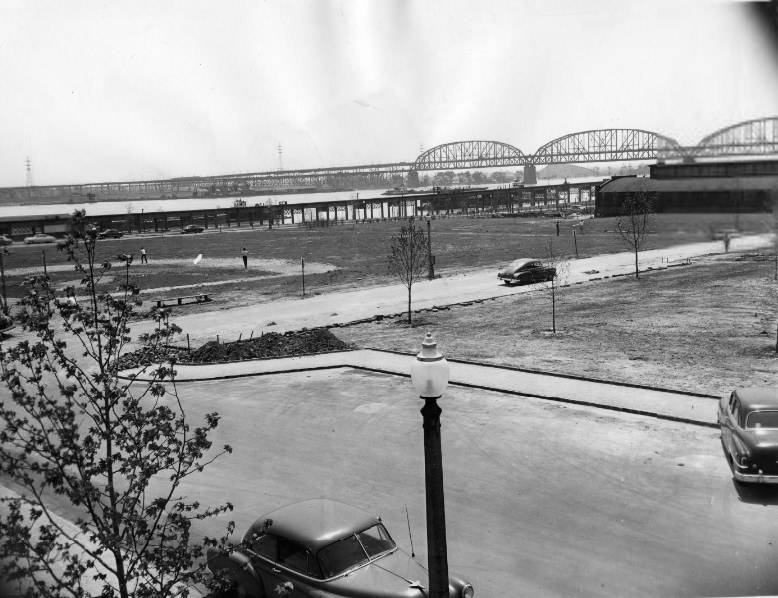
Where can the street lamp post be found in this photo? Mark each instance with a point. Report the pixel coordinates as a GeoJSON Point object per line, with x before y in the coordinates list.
{"type": "Point", "coordinates": [429, 374]}
{"type": "Point", "coordinates": [430, 260]}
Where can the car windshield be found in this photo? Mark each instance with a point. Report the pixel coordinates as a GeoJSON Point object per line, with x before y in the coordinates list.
{"type": "Point", "coordinates": [762, 419]}
{"type": "Point", "coordinates": [355, 550]}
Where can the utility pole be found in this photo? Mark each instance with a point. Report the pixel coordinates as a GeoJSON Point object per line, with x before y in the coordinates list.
{"type": "Point", "coordinates": [430, 257]}
{"type": "Point", "coordinates": [2, 279]}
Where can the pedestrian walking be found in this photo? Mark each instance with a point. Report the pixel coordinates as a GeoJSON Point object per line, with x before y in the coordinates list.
{"type": "Point", "coordinates": [726, 242]}
{"type": "Point", "coordinates": [143, 258]}
{"type": "Point", "coordinates": [245, 255]}
{"type": "Point", "coordinates": [557, 228]}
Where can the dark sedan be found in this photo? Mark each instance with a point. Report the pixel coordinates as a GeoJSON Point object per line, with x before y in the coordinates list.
{"type": "Point", "coordinates": [526, 271]}
{"type": "Point", "coordinates": [192, 228]}
{"type": "Point", "coordinates": [322, 547]}
{"type": "Point", "coordinates": [748, 419]}
{"type": "Point", "coordinates": [110, 233]}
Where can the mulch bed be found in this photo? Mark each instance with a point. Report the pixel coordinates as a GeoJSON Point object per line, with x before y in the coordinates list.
{"type": "Point", "coordinates": [270, 345]}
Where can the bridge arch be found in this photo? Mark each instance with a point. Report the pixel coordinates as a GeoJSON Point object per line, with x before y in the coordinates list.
{"type": "Point", "coordinates": [605, 145]}
{"type": "Point", "coordinates": [469, 154]}
{"type": "Point", "coordinates": [756, 136]}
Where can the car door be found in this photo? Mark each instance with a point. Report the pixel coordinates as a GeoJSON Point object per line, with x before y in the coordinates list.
{"type": "Point", "coordinates": [535, 272]}
{"type": "Point", "coordinates": [289, 566]}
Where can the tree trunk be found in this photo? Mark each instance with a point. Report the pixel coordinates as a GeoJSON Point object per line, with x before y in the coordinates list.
{"type": "Point", "coordinates": [409, 304]}
{"type": "Point", "coordinates": [637, 272]}
{"type": "Point", "coordinates": [553, 308]}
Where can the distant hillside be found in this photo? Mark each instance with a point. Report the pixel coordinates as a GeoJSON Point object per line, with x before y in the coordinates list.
{"type": "Point", "coordinates": [563, 171]}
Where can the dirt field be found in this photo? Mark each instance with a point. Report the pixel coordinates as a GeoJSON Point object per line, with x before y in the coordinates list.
{"type": "Point", "coordinates": [347, 256]}
{"type": "Point", "coordinates": [705, 327]}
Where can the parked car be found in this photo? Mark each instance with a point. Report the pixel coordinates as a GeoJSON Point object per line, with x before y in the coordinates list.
{"type": "Point", "coordinates": [322, 547]}
{"type": "Point", "coordinates": [6, 240]}
{"type": "Point", "coordinates": [526, 271]}
{"type": "Point", "coordinates": [39, 238]}
{"type": "Point", "coordinates": [192, 228]}
{"type": "Point", "coordinates": [748, 419]}
{"type": "Point", "coordinates": [110, 233]}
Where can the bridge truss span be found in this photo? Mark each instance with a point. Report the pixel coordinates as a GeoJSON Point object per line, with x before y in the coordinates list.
{"type": "Point", "coordinates": [604, 145]}
{"type": "Point", "coordinates": [470, 154]}
{"type": "Point", "coordinates": [752, 137]}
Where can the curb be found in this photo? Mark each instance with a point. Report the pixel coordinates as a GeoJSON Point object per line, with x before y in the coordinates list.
{"type": "Point", "coordinates": [682, 420]}
{"type": "Point", "coordinates": [515, 393]}
{"type": "Point", "coordinates": [565, 376]}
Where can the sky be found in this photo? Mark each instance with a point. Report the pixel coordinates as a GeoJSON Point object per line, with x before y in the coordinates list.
{"type": "Point", "coordinates": [129, 90]}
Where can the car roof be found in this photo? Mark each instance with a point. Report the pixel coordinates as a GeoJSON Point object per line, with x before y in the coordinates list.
{"type": "Point", "coordinates": [522, 262]}
{"type": "Point", "coordinates": [316, 522]}
{"type": "Point", "coordinates": [757, 399]}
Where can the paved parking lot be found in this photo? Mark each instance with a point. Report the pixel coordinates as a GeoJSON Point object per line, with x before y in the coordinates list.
{"type": "Point", "coordinates": [542, 498]}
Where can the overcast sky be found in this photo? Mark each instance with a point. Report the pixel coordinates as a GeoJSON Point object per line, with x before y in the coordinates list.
{"type": "Point", "coordinates": [99, 91]}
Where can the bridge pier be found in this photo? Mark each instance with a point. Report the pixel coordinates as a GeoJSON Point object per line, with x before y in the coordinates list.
{"type": "Point", "coordinates": [530, 175]}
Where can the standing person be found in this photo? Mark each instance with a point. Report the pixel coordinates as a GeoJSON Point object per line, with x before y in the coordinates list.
{"type": "Point", "coordinates": [143, 258]}
{"type": "Point", "coordinates": [245, 255]}
{"type": "Point", "coordinates": [557, 228]}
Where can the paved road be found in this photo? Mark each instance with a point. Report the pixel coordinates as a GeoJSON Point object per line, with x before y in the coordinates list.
{"type": "Point", "coordinates": [542, 498]}
{"type": "Point", "coordinates": [346, 306]}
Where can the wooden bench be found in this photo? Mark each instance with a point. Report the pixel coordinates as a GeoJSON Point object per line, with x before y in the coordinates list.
{"type": "Point", "coordinates": [199, 298]}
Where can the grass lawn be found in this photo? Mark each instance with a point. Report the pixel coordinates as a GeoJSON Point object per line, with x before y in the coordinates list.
{"type": "Point", "coordinates": [351, 255]}
{"type": "Point", "coordinates": [706, 327]}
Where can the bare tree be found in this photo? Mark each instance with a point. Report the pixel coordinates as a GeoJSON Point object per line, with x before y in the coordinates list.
{"type": "Point", "coordinates": [636, 222]}
{"type": "Point", "coordinates": [115, 450]}
{"type": "Point", "coordinates": [408, 257]}
{"type": "Point", "coordinates": [561, 264]}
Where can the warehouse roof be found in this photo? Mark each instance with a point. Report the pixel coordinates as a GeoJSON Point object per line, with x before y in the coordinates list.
{"type": "Point", "coordinates": [709, 184]}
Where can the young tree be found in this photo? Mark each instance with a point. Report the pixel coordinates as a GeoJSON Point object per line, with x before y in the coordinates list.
{"type": "Point", "coordinates": [408, 257]}
{"type": "Point", "coordinates": [115, 450]}
{"type": "Point", "coordinates": [561, 264]}
{"type": "Point", "coordinates": [636, 222]}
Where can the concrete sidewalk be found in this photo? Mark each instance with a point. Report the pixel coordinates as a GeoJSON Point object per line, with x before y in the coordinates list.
{"type": "Point", "coordinates": [660, 403]}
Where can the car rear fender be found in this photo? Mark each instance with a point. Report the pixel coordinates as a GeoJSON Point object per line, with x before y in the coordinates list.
{"type": "Point", "coordinates": [738, 447]}
{"type": "Point", "coordinates": [238, 566]}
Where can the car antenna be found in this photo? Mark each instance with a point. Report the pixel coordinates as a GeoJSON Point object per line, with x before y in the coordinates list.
{"type": "Point", "coordinates": [407, 517]}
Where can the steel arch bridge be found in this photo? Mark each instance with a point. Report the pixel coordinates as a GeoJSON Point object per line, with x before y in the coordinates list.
{"type": "Point", "coordinates": [757, 137]}
{"type": "Point", "coordinates": [751, 137]}
{"type": "Point", "coordinates": [603, 145]}
{"type": "Point", "coordinates": [469, 154]}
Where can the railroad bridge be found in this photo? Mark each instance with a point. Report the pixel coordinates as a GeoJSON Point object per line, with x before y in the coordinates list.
{"type": "Point", "coordinates": [757, 137]}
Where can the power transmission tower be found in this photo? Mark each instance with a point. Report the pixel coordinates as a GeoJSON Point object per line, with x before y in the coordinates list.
{"type": "Point", "coordinates": [28, 181]}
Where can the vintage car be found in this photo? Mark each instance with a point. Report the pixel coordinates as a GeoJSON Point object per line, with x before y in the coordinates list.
{"type": "Point", "coordinates": [6, 240]}
{"type": "Point", "coordinates": [192, 228]}
{"type": "Point", "coordinates": [110, 233]}
{"type": "Point", "coordinates": [322, 547]}
{"type": "Point", "coordinates": [526, 271]}
{"type": "Point", "coordinates": [39, 238]}
{"type": "Point", "coordinates": [748, 419]}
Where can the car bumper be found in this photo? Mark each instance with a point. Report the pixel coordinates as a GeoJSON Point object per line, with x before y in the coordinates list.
{"type": "Point", "coordinates": [755, 478]}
